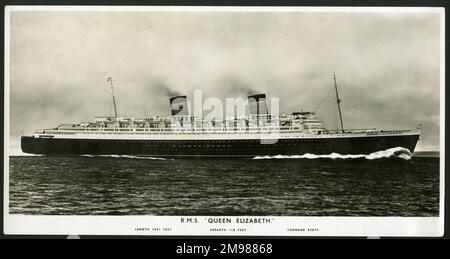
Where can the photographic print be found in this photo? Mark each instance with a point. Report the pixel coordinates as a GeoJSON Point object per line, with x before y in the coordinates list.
{"type": "Point", "coordinates": [235, 121]}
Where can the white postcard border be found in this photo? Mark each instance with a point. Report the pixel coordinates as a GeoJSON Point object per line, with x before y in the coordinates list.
{"type": "Point", "coordinates": [171, 225]}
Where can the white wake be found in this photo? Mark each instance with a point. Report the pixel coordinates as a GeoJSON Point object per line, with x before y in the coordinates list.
{"type": "Point", "coordinates": [17, 151]}
{"type": "Point", "coordinates": [127, 156]}
{"type": "Point", "coordinates": [397, 152]}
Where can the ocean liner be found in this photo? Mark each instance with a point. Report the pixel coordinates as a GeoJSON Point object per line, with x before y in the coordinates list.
{"type": "Point", "coordinates": [182, 134]}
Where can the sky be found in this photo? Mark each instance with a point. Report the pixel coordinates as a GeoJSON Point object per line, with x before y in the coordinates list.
{"type": "Point", "coordinates": [387, 65]}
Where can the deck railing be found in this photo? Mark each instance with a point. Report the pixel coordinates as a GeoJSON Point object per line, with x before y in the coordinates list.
{"type": "Point", "coordinates": [259, 130]}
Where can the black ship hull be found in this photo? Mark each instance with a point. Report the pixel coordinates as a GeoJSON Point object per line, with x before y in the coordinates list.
{"type": "Point", "coordinates": [242, 148]}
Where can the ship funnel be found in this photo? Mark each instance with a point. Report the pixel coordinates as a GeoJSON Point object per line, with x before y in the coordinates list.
{"type": "Point", "coordinates": [179, 106]}
{"type": "Point", "coordinates": [257, 104]}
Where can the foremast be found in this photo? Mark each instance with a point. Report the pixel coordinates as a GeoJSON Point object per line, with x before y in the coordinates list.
{"type": "Point", "coordinates": [109, 80]}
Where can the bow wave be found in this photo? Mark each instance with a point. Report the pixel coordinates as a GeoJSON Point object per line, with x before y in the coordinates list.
{"type": "Point", "coordinates": [397, 152]}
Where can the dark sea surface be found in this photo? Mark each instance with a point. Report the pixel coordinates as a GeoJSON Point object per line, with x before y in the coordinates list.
{"type": "Point", "coordinates": [95, 185]}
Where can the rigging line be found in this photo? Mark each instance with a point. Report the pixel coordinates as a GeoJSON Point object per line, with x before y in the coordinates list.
{"type": "Point", "coordinates": [398, 117]}
{"type": "Point", "coordinates": [60, 121]}
{"type": "Point", "coordinates": [107, 92]}
{"type": "Point", "coordinates": [109, 106]}
{"type": "Point", "coordinates": [323, 100]}
{"type": "Point", "coordinates": [111, 110]}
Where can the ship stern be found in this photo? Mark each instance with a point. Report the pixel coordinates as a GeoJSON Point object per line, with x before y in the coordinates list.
{"type": "Point", "coordinates": [30, 145]}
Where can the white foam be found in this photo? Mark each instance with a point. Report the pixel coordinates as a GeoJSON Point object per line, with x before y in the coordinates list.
{"type": "Point", "coordinates": [17, 151]}
{"type": "Point", "coordinates": [127, 156]}
{"type": "Point", "coordinates": [398, 152]}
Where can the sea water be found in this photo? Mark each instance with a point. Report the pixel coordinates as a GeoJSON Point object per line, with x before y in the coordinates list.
{"type": "Point", "coordinates": [387, 183]}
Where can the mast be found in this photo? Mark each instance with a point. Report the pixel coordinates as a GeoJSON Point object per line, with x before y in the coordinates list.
{"type": "Point", "coordinates": [114, 99]}
{"type": "Point", "coordinates": [338, 102]}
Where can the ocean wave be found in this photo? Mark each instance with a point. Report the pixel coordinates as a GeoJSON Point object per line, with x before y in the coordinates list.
{"type": "Point", "coordinates": [397, 152]}
{"type": "Point", "coordinates": [127, 156]}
